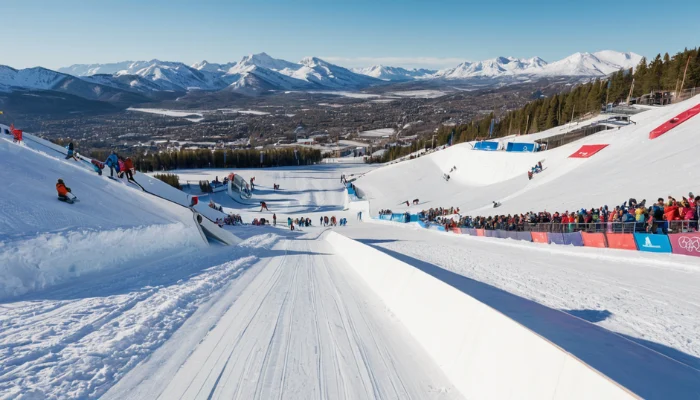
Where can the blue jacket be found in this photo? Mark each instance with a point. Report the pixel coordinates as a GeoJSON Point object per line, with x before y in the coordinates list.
{"type": "Point", "coordinates": [112, 160]}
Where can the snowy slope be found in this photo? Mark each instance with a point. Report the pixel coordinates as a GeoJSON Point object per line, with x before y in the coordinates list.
{"type": "Point", "coordinates": [566, 184]}
{"type": "Point", "coordinates": [46, 241]}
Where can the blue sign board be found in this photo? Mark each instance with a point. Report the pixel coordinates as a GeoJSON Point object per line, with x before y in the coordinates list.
{"type": "Point", "coordinates": [652, 243]}
{"type": "Point", "coordinates": [520, 147]}
{"type": "Point", "coordinates": [490, 146]}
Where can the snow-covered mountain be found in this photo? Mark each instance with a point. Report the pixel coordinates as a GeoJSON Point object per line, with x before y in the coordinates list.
{"type": "Point", "coordinates": [497, 67]}
{"type": "Point", "coordinates": [587, 64]}
{"type": "Point", "coordinates": [386, 73]}
{"type": "Point", "coordinates": [576, 65]}
{"type": "Point", "coordinates": [36, 78]}
{"type": "Point", "coordinates": [261, 73]}
{"type": "Point", "coordinates": [212, 67]}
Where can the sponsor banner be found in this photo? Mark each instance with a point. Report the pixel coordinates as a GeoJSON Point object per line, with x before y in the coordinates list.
{"type": "Point", "coordinates": [539, 237]}
{"type": "Point", "coordinates": [415, 218]}
{"type": "Point", "coordinates": [499, 234]}
{"type": "Point", "coordinates": [512, 235]}
{"type": "Point", "coordinates": [520, 147]}
{"type": "Point", "coordinates": [456, 230]}
{"type": "Point", "coordinates": [652, 243]}
{"type": "Point", "coordinates": [593, 239]}
{"type": "Point", "coordinates": [624, 241]}
{"type": "Point", "coordinates": [469, 231]}
{"type": "Point", "coordinates": [437, 228]}
{"type": "Point", "coordinates": [526, 236]}
{"type": "Point", "coordinates": [480, 232]}
{"type": "Point", "coordinates": [489, 233]}
{"type": "Point", "coordinates": [422, 224]}
{"type": "Point", "coordinates": [556, 238]}
{"type": "Point", "coordinates": [573, 239]}
{"type": "Point", "coordinates": [385, 217]}
{"type": "Point", "coordinates": [490, 146]}
{"type": "Point", "coordinates": [588, 150]}
{"type": "Point", "coordinates": [685, 243]}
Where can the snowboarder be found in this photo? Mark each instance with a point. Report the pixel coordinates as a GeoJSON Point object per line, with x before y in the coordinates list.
{"type": "Point", "coordinates": [359, 215]}
{"type": "Point", "coordinates": [415, 202]}
{"type": "Point", "coordinates": [274, 219]}
{"type": "Point", "coordinates": [71, 152]}
{"type": "Point", "coordinates": [496, 204]}
{"type": "Point", "coordinates": [529, 175]}
{"type": "Point", "coordinates": [263, 206]}
{"type": "Point", "coordinates": [407, 203]}
{"type": "Point", "coordinates": [122, 167]}
{"type": "Point", "coordinates": [129, 169]}
{"type": "Point", "coordinates": [63, 191]}
{"type": "Point", "coordinates": [325, 221]}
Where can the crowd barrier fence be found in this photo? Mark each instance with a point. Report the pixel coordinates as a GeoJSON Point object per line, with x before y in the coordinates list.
{"type": "Point", "coordinates": [681, 239]}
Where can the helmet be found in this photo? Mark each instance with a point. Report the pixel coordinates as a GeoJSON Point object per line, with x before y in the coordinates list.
{"type": "Point", "coordinates": [60, 180]}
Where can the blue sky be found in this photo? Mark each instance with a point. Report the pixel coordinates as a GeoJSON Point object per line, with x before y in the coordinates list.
{"type": "Point", "coordinates": [350, 33]}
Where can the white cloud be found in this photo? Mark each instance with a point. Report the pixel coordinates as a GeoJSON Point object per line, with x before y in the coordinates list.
{"type": "Point", "coordinates": [406, 62]}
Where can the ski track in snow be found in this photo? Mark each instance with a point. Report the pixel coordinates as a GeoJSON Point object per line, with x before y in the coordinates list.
{"type": "Point", "coordinates": [304, 328]}
{"type": "Point", "coordinates": [75, 340]}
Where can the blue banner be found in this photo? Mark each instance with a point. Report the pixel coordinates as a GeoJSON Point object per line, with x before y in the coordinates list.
{"type": "Point", "coordinates": [520, 147]}
{"type": "Point", "coordinates": [652, 243]}
{"type": "Point", "coordinates": [489, 146]}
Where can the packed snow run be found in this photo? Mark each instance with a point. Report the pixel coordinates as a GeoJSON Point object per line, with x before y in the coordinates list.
{"type": "Point", "coordinates": [118, 296]}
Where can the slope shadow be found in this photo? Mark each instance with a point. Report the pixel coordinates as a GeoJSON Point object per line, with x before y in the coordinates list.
{"type": "Point", "coordinates": [590, 315]}
{"type": "Point", "coordinates": [376, 241]}
{"type": "Point", "coordinates": [642, 370]}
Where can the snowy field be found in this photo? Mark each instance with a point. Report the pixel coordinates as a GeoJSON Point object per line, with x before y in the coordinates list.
{"type": "Point", "coordinates": [118, 297]}
{"type": "Point", "coordinates": [377, 133]}
{"type": "Point", "coordinates": [170, 113]}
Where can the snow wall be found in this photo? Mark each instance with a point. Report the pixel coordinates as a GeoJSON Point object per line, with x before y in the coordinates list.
{"type": "Point", "coordinates": [488, 355]}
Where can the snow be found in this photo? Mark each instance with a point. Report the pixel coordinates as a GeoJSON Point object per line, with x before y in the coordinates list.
{"type": "Point", "coordinates": [374, 133]}
{"type": "Point", "coordinates": [420, 94]}
{"type": "Point", "coordinates": [170, 113]}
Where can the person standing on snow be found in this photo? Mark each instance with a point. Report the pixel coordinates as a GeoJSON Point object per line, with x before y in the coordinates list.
{"type": "Point", "coordinates": [113, 163]}
{"type": "Point", "coordinates": [129, 169]}
{"type": "Point", "coordinates": [71, 152]}
{"type": "Point", "coordinates": [274, 219]}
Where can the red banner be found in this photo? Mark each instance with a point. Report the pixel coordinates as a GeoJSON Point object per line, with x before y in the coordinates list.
{"type": "Point", "coordinates": [593, 239]}
{"type": "Point", "coordinates": [540, 237]}
{"type": "Point", "coordinates": [685, 243]}
{"type": "Point", "coordinates": [624, 241]}
{"type": "Point", "coordinates": [588, 150]}
{"type": "Point", "coordinates": [674, 122]}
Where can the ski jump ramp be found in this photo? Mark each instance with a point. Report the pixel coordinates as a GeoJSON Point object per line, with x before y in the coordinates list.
{"type": "Point", "coordinates": [494, 345]}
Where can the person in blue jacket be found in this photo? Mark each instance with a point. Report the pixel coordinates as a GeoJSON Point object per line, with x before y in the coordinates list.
{"type": "Point", "coordinates": [113, 163]}
{"type": "Point", "coordinates": [71, 152]}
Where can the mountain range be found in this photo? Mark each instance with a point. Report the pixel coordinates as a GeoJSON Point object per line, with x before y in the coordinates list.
{"type": "Point", "coordinates": [139, 81]}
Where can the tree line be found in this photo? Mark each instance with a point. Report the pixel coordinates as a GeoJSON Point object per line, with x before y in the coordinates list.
{"type": "Point", "coordinates": [220, 158]}
{"type": "Point", "coordinates": [663, 73]}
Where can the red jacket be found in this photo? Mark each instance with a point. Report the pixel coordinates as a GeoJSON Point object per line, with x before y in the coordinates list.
{"type": "Point", "coordinates": [61, 189]}
{"type": "Point", "coordinates": [671, 213]}
{"type": "Point", "coordinates": [128, 164]}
